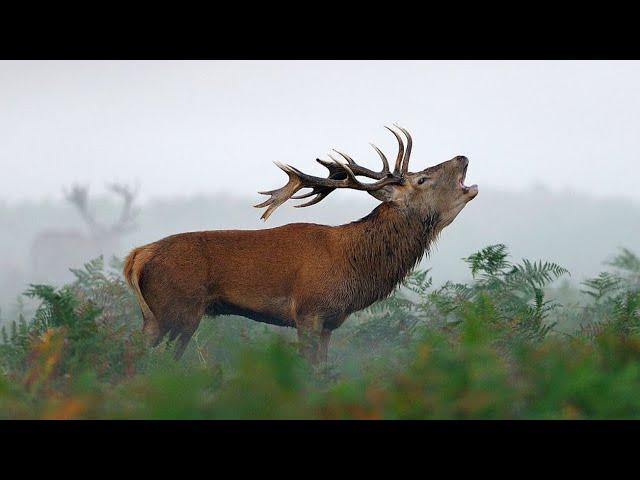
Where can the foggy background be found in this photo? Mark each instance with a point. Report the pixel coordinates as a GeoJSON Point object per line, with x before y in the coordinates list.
{"type": "Point", "coordinates": [552, 145]}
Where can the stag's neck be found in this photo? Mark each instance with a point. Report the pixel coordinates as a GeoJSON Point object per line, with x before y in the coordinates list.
{"type": "Point", "coordinates": [382, 248]}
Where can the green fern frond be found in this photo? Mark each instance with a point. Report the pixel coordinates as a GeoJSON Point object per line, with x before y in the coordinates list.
{"type": "Point", "coordinates": [602, 286]}
{"type": "Point", "coordinates": [627, 261]}
{"type": "Point", "coordinates": [490, 260]}
{"type": "Point", "coordinates": [536, 274]}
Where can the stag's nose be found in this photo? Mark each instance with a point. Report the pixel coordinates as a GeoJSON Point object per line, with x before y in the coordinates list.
{"type": "Point", "coordinates": [462, 160]}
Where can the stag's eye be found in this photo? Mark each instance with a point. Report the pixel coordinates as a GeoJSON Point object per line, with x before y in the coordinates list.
{"type": "Point", "coordinates": [421, 180]}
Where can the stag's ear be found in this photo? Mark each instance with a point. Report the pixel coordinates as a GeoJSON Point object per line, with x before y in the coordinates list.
{"type": "Point", "coordinates": [388, 193]}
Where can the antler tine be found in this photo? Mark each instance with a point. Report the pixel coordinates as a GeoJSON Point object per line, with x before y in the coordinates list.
{"type": "Point", "coordinates": [407, 154]}
{"type": "Point", "coordinates": [350, 170]}
{"type": "Point", "coordinates": [385, 163]}
{"type": "Point", "coordinates": [313, 201]}
{"type": "Point", "coordinates": [397, 169]}
{"type": "Point", "coordinates": [346, 157]}
{"type": "Point", "coordinates": [127, 215]}
{"type": "Point", "coordinates": [305, 195]}
{"type": "Point", "coordinates": [335, 161]}
{"type": "Point", "coordinates": [78, 196]}
{"type": "Point", "coordinates": [123, 190]}
{"type": "Point", "coordinates": [363, 171]}
{"type": "Point", "coordinates": [329, 165]}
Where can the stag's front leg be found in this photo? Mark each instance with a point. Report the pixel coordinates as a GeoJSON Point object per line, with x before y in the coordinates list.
{"type": "Point", "coordinates": [311, 339]}
{"type": "Point", "coordinates": [323, 351]}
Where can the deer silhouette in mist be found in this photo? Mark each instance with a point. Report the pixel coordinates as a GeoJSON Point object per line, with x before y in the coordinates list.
{"type": "Point", "coordinates": [54, 251]}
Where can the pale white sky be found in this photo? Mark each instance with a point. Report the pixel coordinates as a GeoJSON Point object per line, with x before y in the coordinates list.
{"type": "Point", "coordinates": [183, 127]}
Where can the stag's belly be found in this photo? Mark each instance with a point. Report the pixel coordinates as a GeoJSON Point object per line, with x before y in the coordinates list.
{"type": "Point", "coordinates": [222, 308]}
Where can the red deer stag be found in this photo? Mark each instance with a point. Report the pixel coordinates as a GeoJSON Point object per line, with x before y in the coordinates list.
{"type": "Point", "coordinates": [53, 252]}
{"type": "Point", "coordinates": [301, 275]}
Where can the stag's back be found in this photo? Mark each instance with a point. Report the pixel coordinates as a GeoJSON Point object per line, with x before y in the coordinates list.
{"type": "Point", "coordinates": [234, 260]}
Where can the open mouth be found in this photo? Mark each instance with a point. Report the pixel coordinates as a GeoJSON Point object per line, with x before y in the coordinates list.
{"type": "Point", "coordinates": [462, 176]}
{"type": "Point", "coordinates": [466, 189]}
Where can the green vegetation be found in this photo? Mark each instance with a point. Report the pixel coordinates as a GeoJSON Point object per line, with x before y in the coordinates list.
{"type": "Point", "coordinates": [508, 344]}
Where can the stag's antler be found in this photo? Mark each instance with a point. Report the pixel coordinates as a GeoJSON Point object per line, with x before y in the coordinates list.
{"type": "Point", "coordinates": [341, 175]}
{"type": "Point", "coordinates": [407, 153]}
{"type": "Point", "coordinates": [127, 216]}
{"type": "Point", "coordinates": [78, 196]}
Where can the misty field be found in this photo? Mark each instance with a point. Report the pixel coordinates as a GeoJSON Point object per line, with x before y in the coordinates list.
{"type": "Point", "coordinates": [516, 342]}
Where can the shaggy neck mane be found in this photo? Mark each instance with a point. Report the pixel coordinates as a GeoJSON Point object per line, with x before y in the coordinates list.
{"type": "Point", "coordinates": [382, 248]}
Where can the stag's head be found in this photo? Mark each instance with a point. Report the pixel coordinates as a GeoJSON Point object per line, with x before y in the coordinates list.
{"type": "Point", "coordinates": [435, 192]}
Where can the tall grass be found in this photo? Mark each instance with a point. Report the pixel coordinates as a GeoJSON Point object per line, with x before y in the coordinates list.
{"type": "Point", "coordinates": [508, 344]}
